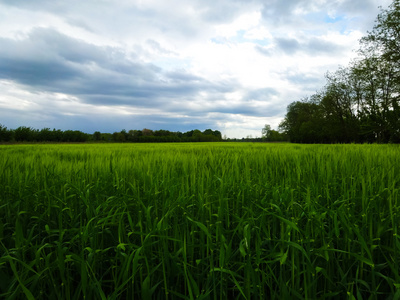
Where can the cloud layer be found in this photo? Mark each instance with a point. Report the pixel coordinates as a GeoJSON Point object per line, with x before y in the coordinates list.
{"type": "Point", "coordinates": [227, 65]}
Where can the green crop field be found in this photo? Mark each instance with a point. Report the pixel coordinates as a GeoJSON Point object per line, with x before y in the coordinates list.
{"type": "Point", "coordinates": [199, 221]}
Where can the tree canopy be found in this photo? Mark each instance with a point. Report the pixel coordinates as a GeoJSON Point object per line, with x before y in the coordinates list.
{"type": "Point", "coordinates": [359, 103]}
{"type": "Point", "coordinates": [28, 134]}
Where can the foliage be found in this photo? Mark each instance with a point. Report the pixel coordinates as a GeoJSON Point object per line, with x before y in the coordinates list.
{"type": "Point", "coordinates": [164, 136]}
{"type": "Point", "coordinates": [270, 135]}
{"type": "Point", "coordinates": [199, 221]}
{"type": "Point", "coordinates": [5, 135]}
{"type": "Point", "coordinates": [28, 134]}
{"type": "Point", "coordinates": [360, 103]}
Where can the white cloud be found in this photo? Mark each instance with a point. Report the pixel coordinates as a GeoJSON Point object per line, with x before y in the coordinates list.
{"type": "Point", "coordinates": [229, 65]}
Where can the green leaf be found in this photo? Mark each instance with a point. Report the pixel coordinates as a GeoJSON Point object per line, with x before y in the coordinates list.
{"type": "Point", "coordinates": [284, 257]}
{"type": "Point", "coordinates": [201, 226]}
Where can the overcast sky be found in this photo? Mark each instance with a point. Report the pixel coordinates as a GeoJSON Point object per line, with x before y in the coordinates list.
{"type": "Point", "coordinates": [230, 65]}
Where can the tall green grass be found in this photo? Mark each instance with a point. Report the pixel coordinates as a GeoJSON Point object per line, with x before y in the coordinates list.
{"type": "Point", "coordinates": [199, 221]}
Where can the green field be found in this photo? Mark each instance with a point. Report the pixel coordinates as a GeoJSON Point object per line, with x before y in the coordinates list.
{"type": "Point", "coordinates": [199, 221]}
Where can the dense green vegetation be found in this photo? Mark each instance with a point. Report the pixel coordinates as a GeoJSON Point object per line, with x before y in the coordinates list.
{"type": "Point", "coordinates": [206, 221]}
{"type": "Point", "coordinates": [28, 134]}
{"type": "Point", "coordinates": [360, 103]}
{"type": "Point", "coordinates": [159, 136]}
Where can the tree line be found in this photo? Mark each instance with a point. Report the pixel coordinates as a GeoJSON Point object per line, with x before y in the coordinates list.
{"type": "Point", "coordinates": [28, 134]}
{"type": "Point", "coordinates": [161, 136]}
{"type": "Point", "coordinates": [359, 103]}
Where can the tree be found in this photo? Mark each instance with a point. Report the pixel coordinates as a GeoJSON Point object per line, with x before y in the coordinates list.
{"type": "Point", "coordinates": [337, 101]}
{"type": "Point", "coordinates": [119, 137]}
{"type": "Point", "coordinates": [133, 135]}
{"type": "Point", "coordinates": [25, 134]}
{"type": "Point", "coordinates": [97, 136]}
{"type": "Point", "coordinates": [304, 122]}
{"type": "Point", "coordinates": [360, 103]}
{"type": "Point", "coordinates": [270, 135]}
{"type": "Point", "coordinates": [74, 136]}
{"type": "Point", "coordinates": [386, 34]}
{"type": "Point", "coordinates": [5, 135]}
{"type": "Point", "coordinates": [380, 51]}
{"type": "Point", "coordinates": [266, 132]}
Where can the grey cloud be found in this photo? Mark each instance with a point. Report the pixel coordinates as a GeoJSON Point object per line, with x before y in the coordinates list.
{"type": "Point", "coordinates": [287, 45]}
{"type": "Point", "coordinates": [80, 23]}
{"type": "Point", "coordinates": [250, 110]}
{"type": "Point", "coordinates": [356, 6]}
{"type": "Point", "coordinates": [48, 61]}
{"type": "Point", "coordinates": [255, 102]}
{"type": "Point", "coordinates": [261, 94]}
{"type": "Point", "coordinates": [158, 48]}
{"type": "Point", "coordinates": [183, 76]}
{"type": "Point", "coordinates": [97, 75]}
{"type": "Point", "coordinates": [246, 109]}
{"type": "Point", "coordinates": [223, 11]}
{"type": "Point", "coordinates": [283, 14]}
{"type": "Point", "coordinates": [70, 49]}
{"type": "Point", "coordinates": [313, 46]}
{"type": "Point", "coordinates": [263, 50]}
{"type": "Point", "coordinates": [48, 57]}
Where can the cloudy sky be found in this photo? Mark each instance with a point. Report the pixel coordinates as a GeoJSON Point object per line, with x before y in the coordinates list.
{"type": "Point", "coordinates": [231, 65]}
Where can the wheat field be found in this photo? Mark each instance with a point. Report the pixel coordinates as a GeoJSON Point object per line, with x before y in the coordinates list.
{"type": "Point", "coordinates": [199, 221]}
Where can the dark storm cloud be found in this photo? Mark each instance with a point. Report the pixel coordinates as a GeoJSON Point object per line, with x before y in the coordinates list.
{"type": "Point", "coordinates": [54, 62]}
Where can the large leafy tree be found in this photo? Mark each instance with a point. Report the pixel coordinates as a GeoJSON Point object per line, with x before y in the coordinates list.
{"type": "Point", "coordinates": [360, 103]}
{"type": "Point", "coordinates": [304, 122]}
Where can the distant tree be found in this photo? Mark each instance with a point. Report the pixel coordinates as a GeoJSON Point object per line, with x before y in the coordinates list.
{"type": "Point", "coordinates": [197, 135]}
{"type": "Point", "coordinates": [147, 132]}
{"type": "Point", "coordinates": [210, 135]}
{"type": "Point", "coordinates": [5, 134]}
{"type": "Point", "coordinates": [270, 135]}
{"type": "Point", "coordinates": [265, 132]}
{"type": "Point", "coordinates": [208, 132]}
{"type": "Point", "coordinates": [188, 133]}
{"type": "Point", "coordinates": [74, 136]}
{"type": "Point", "coordinates": [25, 134]}
{"type": "Point", "coordinates": [133, 135]}
{"type": "Point", "coordinates": [162, 132]}
{"type": "Point", "coordinates": [97, 136]}
{"type": "Point", "coordinates": [118, 137]}
{"type": "Point", "coordinates": [124, 134]}
{"type": "Point", "coordinates": [218, 134]}
{"type": "Point", "coordinates": [108, 137]}
{"type": "Point", "coordinates": [57, 135]}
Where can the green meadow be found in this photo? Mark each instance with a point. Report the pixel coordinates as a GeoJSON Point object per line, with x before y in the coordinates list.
{"type": "Point", "coordinates": [199, 221]}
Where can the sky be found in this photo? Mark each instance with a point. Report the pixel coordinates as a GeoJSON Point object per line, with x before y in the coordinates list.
{"type": "Point", "coordinates": [178, 65]}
